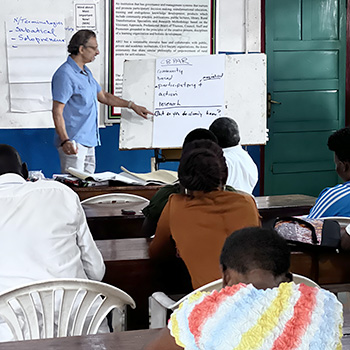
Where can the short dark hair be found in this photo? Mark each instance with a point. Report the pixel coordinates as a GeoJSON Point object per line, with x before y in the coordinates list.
{"type": "Point", "coordinates": [202, 169]}
{"type": "Point", "coordinates": [226, 131]}
{"type": "Point", "coordinates": [10, 161]}
{"type": "Point", "coordinates": [339, 142]}
{"type": "Point", "coordinates": [256, 248]}
{"type": "Point", "coordinates": [199, 134]}
{"type": "Point", "coordinates": [81, 37]}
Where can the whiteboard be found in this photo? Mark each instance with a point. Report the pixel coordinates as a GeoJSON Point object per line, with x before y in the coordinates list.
{"type": "Point", "coordinates": [244, 101]}
{"type": "Point", "coordinates": [33, 9]}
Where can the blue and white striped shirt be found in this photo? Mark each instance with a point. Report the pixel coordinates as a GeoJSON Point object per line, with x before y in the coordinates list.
{"type": "Point", "coordinates": [332, 201]}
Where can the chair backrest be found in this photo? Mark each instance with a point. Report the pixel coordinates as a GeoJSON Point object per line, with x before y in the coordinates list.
{"type": "Point", "coordinates": [209, 287]}
{"type": "Point", "coordinates": [59, 308]}
{"type": "Point", "coordinates": [342, 220]}
{"type": "Point", "coordinates": [297, 279]}
{"type": "Point", "coordinates": [116, 198]}
{"type": "Point", "coordinates": [217, 285]}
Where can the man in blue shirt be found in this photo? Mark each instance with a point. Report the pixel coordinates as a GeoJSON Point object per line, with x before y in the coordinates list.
{"type": "Point", "coordinates": [75, 93]}
{"type": "Point", "coordinates": [335, 201]}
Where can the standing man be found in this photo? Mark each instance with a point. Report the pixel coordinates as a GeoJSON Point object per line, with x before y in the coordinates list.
{"type": "Point", "coordinates": [75, 93]}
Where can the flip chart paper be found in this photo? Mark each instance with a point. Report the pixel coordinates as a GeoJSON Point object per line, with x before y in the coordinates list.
{"type": "Point", "coordinates": [189, 93]}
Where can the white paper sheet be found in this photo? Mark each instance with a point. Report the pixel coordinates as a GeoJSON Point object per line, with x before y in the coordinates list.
{"type": "Point", "coordinates": [189, 93]}
{"type": "Point", "coordinates": [36, 47]}
{"type": "Point", "coordinates": [27, 98]}
{"type": "Point", "coordinates": [85, 15]}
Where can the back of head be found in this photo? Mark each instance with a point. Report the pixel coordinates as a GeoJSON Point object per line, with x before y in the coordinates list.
{"type": "Point", "coordinates": [226, 131]}
{"type": "Point", "coordinates": [339, 142]}
{"type": "Point", "coordinates": [199, 134]}
{"type": "Point", "coordinates": [10, 161]}
{"type": "Point", "coordinates": [81, 37]}
{"type": "Point", "coordinates": [256, 248]}
{"type": "Point", "coordinates": [202, 169]}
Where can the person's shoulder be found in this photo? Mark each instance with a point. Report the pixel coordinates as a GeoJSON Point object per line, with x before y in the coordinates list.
{"type": "Point", "coordinates": [54, 186]}
{"type": "Point", "coordinates": [238, 194]}
{"type": "Point", "coordinates": [242, 197]}
{"type": "Point", "coordinates": [334, 190]}
{"type": "Point", "coordinates": [64, 70]}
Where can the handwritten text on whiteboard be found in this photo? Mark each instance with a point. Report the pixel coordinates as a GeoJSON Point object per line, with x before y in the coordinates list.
{"type": "Point", "coordinates": [189, 92]}
{"type": "Point", "coordinates": [23, 30]}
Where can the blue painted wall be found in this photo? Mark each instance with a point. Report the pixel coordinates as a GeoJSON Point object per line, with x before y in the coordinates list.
{"type": "Point", "coordinates": [36, 149]}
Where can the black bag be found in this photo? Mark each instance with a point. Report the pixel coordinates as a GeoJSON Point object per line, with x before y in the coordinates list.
{"type": "Point", "coordinates": [309, 232]}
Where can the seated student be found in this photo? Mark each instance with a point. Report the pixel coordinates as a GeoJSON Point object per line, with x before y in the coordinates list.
{"type": "Point", "coordinates": [335, 201]}
{"type": "Point", "coordinates": [199, 220]}
{"type": "Point", "coordinates": [43, 229]}
{"type": "Point", "coordinates": [255, 309]}
{"type": "Point", "coordinates": [157, 203]}
{"type": "Point", "coordinates": [242, 171]}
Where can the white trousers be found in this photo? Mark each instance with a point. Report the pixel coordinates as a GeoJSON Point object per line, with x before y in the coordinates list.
{"type": "Point", "coordinates": [84, 160]}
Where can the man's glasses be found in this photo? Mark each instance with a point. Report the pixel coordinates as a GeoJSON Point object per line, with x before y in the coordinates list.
{"type": "Point", "coordinates": [92, 47]}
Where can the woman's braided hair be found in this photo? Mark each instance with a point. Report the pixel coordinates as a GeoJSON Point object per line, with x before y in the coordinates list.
{"type": "Point", "coordinates": [202, 166]}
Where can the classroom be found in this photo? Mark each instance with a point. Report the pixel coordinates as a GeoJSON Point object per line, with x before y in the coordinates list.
{"type": "Point", "coordinates": [268, 78]}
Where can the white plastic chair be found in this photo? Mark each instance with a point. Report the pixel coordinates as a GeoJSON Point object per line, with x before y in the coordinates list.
{"type": "Point", "coordinates": [116, 198]}
{"type": "Point", "coordinates": [160, 303]}
{"type": "Point", "coordinates": [297, 279]}
{"type": "Point", "coordinates": [60, 308]}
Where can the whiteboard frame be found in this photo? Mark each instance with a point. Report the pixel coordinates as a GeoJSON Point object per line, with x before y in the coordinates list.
{"type": "Point", "coordinates": [139, 82]}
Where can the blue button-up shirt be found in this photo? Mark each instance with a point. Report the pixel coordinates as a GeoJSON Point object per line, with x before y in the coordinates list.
{"type": "Point", "coordinates": [78, 90]}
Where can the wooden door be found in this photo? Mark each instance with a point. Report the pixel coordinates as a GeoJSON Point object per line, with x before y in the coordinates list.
{"type": "Point", "coordinates": [305, 46]}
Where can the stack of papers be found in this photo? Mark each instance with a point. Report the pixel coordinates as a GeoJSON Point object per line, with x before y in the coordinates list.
{"type": "Point", "coordinates": [159, 177]}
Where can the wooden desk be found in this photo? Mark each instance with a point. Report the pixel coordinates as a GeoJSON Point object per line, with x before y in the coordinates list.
{"type": "Point", "coordinates": [132, 340]}
{"type": "Point", "coordinates": [128, 267]}
{"type": "Point", "coordinates": [107, 222]}
{"type": "Point", "coordinates": [143, 191]}
{"type": "Point", "coordinates": [271, 207]}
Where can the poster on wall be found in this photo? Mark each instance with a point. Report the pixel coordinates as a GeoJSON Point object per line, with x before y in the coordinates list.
{"type": "Point", "coordinates": [157, 28]}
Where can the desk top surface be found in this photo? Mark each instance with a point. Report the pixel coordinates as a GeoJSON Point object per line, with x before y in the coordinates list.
{"type": "Point", "coordinates": [284, 201]}
{"type": "Point", "coordinates": [100, 210]}
{"type": "Point", "coordinates": [264, 203]}
{"type": "Point", "coordinates": [131, 340]}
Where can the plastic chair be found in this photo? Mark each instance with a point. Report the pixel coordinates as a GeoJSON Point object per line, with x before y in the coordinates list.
{"type": "Point", "coordinates": [116, 198]}
{"type": "Point", "coordinates": [60, 308]}
{"type": "Point", "coordinates": [160, 303]}
{"type": "Point", "coordinates": [297, 279]}
{"type": "Point", "coordinates": [342, 220]}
